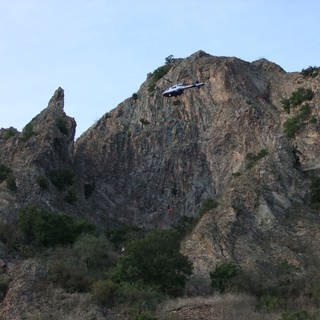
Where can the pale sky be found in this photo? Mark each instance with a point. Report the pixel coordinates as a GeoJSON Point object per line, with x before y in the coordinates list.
{"type": "Point", "coordinates": [100, 51]}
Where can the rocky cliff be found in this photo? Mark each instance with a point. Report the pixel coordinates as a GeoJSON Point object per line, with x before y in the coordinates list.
{"type": "Point", "coordinates": [153, 160]}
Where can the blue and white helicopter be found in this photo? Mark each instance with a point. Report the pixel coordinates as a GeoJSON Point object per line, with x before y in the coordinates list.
{"type": "Point", "coordinates": [177, 89]}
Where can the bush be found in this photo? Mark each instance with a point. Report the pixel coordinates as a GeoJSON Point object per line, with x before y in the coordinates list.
{"type": "Point", "coordinates": [207, 205]}
{"type": "Point", "coordinates": [8, 133]}
{"type": "Point", "coordinates": [61, 178]}
{"type": "Point", "coordinates": [41, 227]}
{"type": "Point", "coordinates": [157, 75]}
{"type": "Point", "coordinates": [120, 236]}
{"type": "Point", "coordinates": [294, 124]}
{"type": "Point", "coordinates": [222, 276]}
{"type": "Point", "coordinates": [291, 126]}
{"type": "Point", "coordinates": [155, 260]}
{"type": "Point", "coordinates": [185, 224]}
{"type": "Point", "coordinates": [297, 97]}
{"type": "Point", "coordinates": [310, 72]}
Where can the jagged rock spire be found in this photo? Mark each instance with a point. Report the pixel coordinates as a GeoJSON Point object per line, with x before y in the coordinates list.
{"type": "Point", "coordinates": [57, 100]}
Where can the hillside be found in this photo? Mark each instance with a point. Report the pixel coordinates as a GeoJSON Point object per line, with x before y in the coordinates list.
{"type": "Point", "coordinates": [246, 144]}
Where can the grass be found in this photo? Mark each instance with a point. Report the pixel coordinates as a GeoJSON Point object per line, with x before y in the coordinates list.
{"type": "Point", "coordinates": [217, 307]}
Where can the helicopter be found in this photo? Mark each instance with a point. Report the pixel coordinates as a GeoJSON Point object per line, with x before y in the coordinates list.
{"type": "Point", "coordinates": [177, 89]}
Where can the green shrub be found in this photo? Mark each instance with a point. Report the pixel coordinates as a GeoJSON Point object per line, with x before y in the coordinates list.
{"type": "Point", "coordinates": [291, 126]}
{"type": "Point", "coordinates": [222, 276]}
{"type": "Point", "coordinates": [61, 124]}
{"type": "Point", "coordinates": [134, 96]}
{"type": "Point", "coordinates": [8, 133]}
{"type": "Point", "coordinates": [104, 292]}
{"type": "Point", "coordinates": [310, 72]}
{"type": "Point", "coordinates": [4, 172]}
{"type": "Point", "coordinates": [61, 178]}
{"type": "Point", "coordinates": [44, 228]}
{"type": "Point", "coordinates": [297, 97]}
{"type": "Point", "coordinates": [157, 75]}
{"type": "Point", "coordinates": [120, 236]}
{"type": "Point", "coordinates": [43, 182]}
{"type": "Point", "coordinates": [294, 124]}
{"type": "Point", "coordinates": [185, 224]}
{"type": "Point", "coordinates": [155, 260]}
{"type": "Point", "coordinates": [169, 59]}
{"type": "Point", "coordinates": [27, 132]}
{"type": "Point", "coordinates": [207, 205]}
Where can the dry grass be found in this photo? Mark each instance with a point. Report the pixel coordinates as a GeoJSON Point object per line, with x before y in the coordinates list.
{"type": "Point", "coordinates": [217, 307]}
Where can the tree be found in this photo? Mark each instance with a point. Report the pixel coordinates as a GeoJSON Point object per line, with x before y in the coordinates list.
{"type": "Point", "coordinates": [45, 228]}
{"type": "Point", "coordinates": [155, 260]}
{"type": "Point", "coordinates": [221, 277]}
{"type": "Point", "coordinates": [169, 59]}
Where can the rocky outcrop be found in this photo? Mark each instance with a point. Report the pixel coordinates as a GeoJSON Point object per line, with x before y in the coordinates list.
{"type": "Point", "coordinates": [153, 160]}
{"type": "Point", "coordinates": [44, 145]}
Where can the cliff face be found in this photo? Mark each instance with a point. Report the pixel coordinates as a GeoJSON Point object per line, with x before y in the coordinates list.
{"type": "Point", "coordinates": [225, 141]}
{"type": "Point", "coordinates": [153, 160]}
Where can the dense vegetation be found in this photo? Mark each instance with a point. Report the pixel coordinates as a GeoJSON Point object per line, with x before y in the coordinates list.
{"type": "Point", "coordinates": [42, 227]}
{"type": "Point", "coordinates": [61, 178]}
{"type": "Point", "coordinates": [156, 261]}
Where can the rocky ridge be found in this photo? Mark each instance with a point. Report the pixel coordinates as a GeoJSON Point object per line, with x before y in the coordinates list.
{"type": "Point", "coordinates": [225, 141]}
